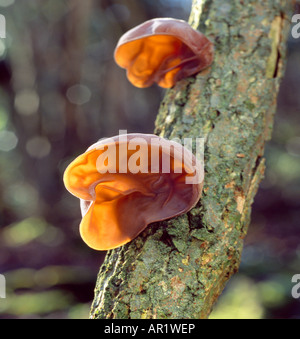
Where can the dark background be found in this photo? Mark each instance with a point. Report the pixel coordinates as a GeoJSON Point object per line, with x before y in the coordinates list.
{"type": "Point", "coordinates": [60, 92]}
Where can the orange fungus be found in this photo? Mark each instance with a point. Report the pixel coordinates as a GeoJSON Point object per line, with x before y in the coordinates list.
{"type": "Point", "coordinates": [163, 50]}
{"type": "Point", "coordinates": [128, 181]}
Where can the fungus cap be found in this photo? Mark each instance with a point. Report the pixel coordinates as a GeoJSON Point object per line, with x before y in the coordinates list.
{"type": "Point", "coordinates": [122, 186]}
{"type": "Point", "coordinates": [162, 50]}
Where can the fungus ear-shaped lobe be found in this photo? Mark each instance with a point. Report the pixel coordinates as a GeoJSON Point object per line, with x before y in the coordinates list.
{"type": "Point", "coordinates": [116, 207]}
{"type": "Point", "coordinates": [81, 175]}
{"type": "Point", "coordinates": [164, 51]}
{"type": "Point", "coordinates": [114, 219]}
{"type": "Point", "coordinates": [151, 59]}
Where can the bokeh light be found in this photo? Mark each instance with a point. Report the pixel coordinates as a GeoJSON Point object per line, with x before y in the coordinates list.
{"type": "Point", "coordinates": [8, 141]}
{"type": "Point", "coordinates": [27, 102]}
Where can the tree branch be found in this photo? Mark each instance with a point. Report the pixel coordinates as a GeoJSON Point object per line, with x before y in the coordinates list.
{"type": "Point", "coordinates": [178, 268]}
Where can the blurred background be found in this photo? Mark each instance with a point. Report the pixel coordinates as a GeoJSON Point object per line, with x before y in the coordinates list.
{"type": "Point", "coordinates": [60, 92]}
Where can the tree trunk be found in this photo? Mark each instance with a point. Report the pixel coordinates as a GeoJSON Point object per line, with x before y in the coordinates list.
{"type": "Point", "coordinates": [178, 268]}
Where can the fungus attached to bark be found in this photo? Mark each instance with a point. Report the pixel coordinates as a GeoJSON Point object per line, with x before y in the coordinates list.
{"type": "Point", "coordinates": [162, 50]}
{"type": "Point", "coordinates": [129, 181]}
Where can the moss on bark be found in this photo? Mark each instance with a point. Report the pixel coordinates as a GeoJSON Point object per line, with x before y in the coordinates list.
{"type": "Point", "coordinates": [178, 268]}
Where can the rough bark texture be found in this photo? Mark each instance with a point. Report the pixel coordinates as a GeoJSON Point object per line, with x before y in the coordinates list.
{"type": "Point", "coordinates": [178, 268]}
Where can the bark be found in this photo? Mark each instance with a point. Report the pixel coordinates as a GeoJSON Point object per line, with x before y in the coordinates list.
{"type": "Point", "coordinates": [178, 268]}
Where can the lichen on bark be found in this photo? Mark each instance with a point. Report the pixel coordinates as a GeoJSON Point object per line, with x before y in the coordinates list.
{"type": "Point", "coordinates": [178, 268]}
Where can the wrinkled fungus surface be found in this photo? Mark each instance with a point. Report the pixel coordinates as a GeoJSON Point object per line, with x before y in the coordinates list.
{"type": "Point", "coordinates": [123, 187]}
{"type": "Point", "coordinates": [162, 50]}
